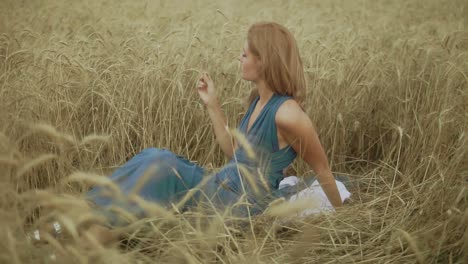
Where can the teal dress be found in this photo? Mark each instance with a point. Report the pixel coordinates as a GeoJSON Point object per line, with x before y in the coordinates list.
{"type": "Point", "coordinates": [171, 176]}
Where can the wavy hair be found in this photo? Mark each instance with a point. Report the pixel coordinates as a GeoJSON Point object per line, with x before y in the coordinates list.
{"type": "Point", "coordinates": [282, 67]}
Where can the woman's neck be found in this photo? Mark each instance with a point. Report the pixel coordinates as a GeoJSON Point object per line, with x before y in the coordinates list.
{"type": "Point", "coordinates": [264, 92]}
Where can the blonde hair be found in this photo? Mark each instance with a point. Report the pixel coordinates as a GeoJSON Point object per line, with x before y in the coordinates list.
{"type": "Point", "coordinates": [278, 53]}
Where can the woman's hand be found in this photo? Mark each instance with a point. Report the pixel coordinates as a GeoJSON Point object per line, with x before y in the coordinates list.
{"type": "Point", "coordinates": [206, 90]}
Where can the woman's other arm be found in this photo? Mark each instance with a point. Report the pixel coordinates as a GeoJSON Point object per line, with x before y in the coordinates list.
{"type": "Point", "coordinates": [207, 93]}
{"type": "Point", "coordinates": [223, 137]}
{"type": "Point", "coordinates": [297, 129]}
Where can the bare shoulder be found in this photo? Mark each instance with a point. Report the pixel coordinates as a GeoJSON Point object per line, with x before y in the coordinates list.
{"type": "Point", "coordinates": [289, 114]}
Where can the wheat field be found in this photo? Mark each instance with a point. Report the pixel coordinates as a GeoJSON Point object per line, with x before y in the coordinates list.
{"type": "Point", "coordinates": [85, 85]}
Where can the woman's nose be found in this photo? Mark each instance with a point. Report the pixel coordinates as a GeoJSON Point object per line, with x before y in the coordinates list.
{"type": "Point", "coordinates": [240, 58]}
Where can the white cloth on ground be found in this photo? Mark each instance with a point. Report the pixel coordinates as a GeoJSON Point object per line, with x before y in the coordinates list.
{"type": "Point", "coordinates": [314, 192]}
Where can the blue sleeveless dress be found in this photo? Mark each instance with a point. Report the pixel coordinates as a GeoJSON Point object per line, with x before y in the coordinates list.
{"type": "Point", "coordinates": [246, 185]}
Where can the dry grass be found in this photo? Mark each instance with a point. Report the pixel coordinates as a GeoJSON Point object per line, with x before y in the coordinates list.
{"type": "Point", "coordinates": [84, 85]}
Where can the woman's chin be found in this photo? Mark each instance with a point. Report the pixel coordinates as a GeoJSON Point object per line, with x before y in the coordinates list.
{"type": "Point", "coordinates": [245, 78]}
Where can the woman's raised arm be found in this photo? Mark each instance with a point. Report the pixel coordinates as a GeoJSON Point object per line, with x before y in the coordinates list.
{"type": "Point", "coordinates": [207, 93]}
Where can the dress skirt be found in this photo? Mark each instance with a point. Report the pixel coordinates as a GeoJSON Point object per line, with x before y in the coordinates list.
{"type": "Point", "coordinates": [162, 177]}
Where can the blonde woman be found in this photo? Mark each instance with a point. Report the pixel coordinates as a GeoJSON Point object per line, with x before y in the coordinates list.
{"type": "Point", "coordinates": [275, 125]}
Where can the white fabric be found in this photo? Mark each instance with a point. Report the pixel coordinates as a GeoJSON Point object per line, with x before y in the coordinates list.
{"type": "Point", "coordinates": [314, 192]}
{"type": "Point", "coordinates": [36, 234]}
{"type": "Point", "coordinates": [290, 180]}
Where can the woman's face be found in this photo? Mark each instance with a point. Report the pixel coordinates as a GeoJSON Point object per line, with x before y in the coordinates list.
{"type": "Point", "coordinates": [249, 64]}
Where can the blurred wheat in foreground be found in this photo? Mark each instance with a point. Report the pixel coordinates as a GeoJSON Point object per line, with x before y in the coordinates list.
{"type": "Point", "coordinates": [84, 85]}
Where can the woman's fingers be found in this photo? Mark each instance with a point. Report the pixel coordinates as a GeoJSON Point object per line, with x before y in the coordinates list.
{"type": "Point", "coordinates": [204, 81]}
{"type": "Point", "coordinates": [206, 77]}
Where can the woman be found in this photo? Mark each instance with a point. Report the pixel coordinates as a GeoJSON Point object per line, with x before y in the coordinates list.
{"type": "Point", "coordinates": [275, 125]}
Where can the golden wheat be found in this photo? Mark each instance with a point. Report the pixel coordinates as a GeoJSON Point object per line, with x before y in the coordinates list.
{"type": "Point", "coordinates": [85, 85]}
